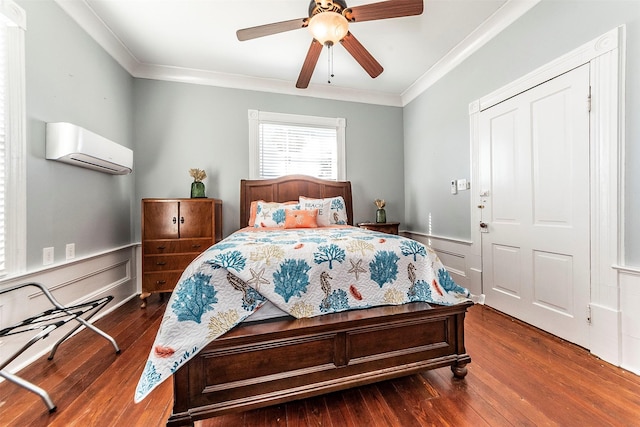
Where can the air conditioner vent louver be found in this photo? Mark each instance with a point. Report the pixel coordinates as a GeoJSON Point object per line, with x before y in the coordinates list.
{"type": "Point", "coordinates": [94, 164]}
{"type": "Point", "coordinates": [74, 145]}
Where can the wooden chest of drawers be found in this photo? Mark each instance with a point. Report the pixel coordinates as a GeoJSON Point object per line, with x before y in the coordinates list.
{"type": "Point", "coordinates": [174, 233]}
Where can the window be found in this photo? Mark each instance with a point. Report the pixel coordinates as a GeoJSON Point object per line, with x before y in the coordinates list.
{"type": "Point", "coordinates": [285, 144]}
{"type": "Point", "coordinates": [12, 140]}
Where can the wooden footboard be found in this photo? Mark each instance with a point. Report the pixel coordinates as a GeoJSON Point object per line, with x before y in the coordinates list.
{"type": "Point", "coordinates": [262, 364]}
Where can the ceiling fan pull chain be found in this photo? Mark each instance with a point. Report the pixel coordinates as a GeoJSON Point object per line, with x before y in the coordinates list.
{"type": "Point", "coordinates": [330, 63]}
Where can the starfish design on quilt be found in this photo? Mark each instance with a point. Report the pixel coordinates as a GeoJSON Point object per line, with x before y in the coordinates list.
{"type": "Point", "coordinates": [356, 268]}
{"type": "Point", "coordinates": [257, 279]}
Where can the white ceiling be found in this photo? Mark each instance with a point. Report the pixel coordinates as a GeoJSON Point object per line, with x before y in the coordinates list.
{"type": "Point", "coordinates": [195, 41]}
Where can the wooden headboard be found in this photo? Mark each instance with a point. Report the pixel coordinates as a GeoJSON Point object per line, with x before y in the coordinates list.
{"type": "Point", "coordinates": [289, 188]}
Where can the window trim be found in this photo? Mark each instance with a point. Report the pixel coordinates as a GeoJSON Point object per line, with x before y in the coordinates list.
{"type": "Point", "coordinates": [14, 18]}
{"type": "Point", "coordinates": [256, 117]}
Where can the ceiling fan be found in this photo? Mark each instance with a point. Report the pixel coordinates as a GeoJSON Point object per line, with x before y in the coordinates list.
{"type": "Point", "coordinates": [328, 22]}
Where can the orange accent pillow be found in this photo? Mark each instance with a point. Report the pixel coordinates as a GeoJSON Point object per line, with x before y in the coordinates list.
{"type": "Point", "coordinates": [294, 218]}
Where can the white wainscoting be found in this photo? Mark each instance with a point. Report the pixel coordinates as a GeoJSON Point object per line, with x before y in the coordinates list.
{"type": "Point", "coordinates": [113, 272]}
{"type": "Point", "coordinates": [629, 281]}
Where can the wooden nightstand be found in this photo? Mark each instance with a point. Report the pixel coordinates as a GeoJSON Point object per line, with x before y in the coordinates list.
{"type": "Point", "coordinates": [383, 227]}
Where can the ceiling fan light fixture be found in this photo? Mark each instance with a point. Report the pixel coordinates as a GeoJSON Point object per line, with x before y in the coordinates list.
{"type": "Point", "coordinates": [328, 27]}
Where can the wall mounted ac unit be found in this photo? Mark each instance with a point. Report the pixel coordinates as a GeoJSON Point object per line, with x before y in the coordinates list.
{"type": "Point", "coordinates": [72, 144]}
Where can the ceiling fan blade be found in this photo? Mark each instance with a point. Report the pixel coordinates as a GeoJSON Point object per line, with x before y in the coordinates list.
{"type": "Point", "coordinates": [362, 55]}
{"type": "Point", "coordinates": [269, 29]}
{"type": "Point", "coordinates": [309, 64]}
{"type": "Point", "coordinates": [385, 9]}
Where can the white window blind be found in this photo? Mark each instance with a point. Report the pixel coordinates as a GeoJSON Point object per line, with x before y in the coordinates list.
{"type": "Point", "coordinates": [287, 149]}
{"type": "Point", "coordinates": [13, 202]}
{"type": "Point", "coordinates": [3, 102]}
{"type": "Point", "coordinates": [285, 144]}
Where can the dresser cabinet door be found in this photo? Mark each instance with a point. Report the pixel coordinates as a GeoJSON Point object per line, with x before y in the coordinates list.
{"type": "Point", "coordinates": [195, 219]}
{"type": "Point", "coordinates": [160, 220]}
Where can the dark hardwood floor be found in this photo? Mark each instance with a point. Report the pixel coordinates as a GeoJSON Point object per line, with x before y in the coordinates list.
{"type": "Point", "coordinates": [519, 376]}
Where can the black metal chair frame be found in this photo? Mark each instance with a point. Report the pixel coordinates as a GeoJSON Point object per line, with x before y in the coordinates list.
{"type": "Point", "coordinates": [46, 322]}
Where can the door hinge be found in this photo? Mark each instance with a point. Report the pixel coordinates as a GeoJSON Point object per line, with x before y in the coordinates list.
{"type": "Point", "coordinates": [589, 314]}
{"type": "Point", "coordinates": [589, 100]}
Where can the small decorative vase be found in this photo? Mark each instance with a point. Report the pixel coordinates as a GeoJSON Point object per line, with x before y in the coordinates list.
{"type": "Point", "coordinates": [381, 216]}
{"type": "Point", "coordinates": [197, 190]}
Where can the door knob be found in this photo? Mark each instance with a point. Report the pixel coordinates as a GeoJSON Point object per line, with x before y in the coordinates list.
{"type": "Point", "coordinates": [484, 225]}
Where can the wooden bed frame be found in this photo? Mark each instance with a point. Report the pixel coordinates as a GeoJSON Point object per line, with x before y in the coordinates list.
{"type": "Point", "coordinates": [275, 361]}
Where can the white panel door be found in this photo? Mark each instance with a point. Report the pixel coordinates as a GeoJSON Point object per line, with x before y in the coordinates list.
{"type": "Point", "coordinates": [534, 183]}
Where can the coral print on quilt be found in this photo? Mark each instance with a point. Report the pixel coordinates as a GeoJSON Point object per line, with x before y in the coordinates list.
{"type": "Point", "coordinates": [304, 272]}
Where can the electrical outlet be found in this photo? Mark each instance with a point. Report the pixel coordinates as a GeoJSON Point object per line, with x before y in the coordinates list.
{"type": "Point", "coordinates": [70, 251]}
{"type": "Point", "coordinates": [462, 184]}
{"type": "Point", "coordinates": [47, 256]}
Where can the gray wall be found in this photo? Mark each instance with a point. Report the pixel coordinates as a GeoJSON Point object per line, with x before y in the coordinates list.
{"type": "Point", "coordinates": [181, 126]}
{"type": "Point", "coordinates": [71, 78]}
{"type": "Point", "coordinates": [436, 124]}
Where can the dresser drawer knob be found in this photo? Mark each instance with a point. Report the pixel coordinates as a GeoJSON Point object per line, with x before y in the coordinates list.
{"type": "Point", "coordinates": [160, 282]}
{"type": "Point", "coordinates": [161, 248]}
{"type": "Point", "coordinates": [195, 246]}
{"type": "Point", "coordinates": [161, 263]}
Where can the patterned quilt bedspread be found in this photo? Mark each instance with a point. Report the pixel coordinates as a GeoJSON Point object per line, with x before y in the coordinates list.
{"type": "Point", "coordinates": [304, 272]}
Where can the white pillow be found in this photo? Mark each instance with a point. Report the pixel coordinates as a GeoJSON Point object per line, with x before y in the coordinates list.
{"type": "Point", "coordinates": [331, 210]}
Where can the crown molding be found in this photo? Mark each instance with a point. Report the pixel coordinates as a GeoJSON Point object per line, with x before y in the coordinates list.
{"type": "Point", "coordinates": [496, 23]}
{"type": "Point", "coordinates": [236, 81]}
{"type": "Point", "coordinates": [85, 16]}
{"type": "Point", "coordinates": [13, 13]}
{"type": "Point", "coordinates": [89, 21]}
